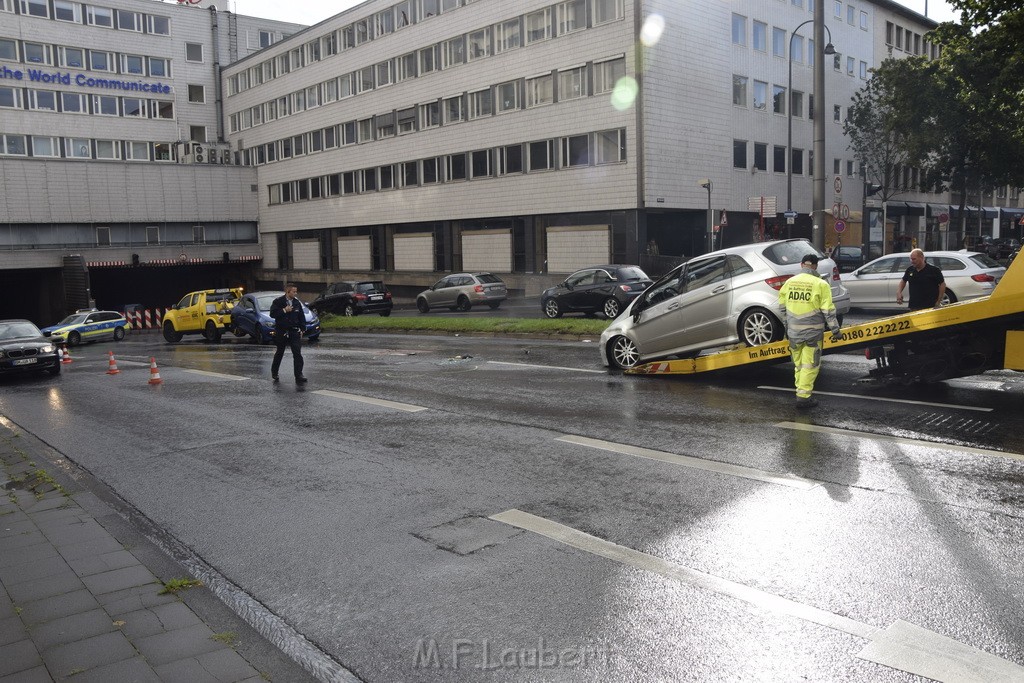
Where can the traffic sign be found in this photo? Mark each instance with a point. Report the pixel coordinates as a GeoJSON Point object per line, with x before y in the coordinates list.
{"type": "Point", "coordinates": [836, 209]}
{"type": "Point", "coordinates": [840, 226]}
{"type": "Point", "coordinates": [838, 184]}
{"type": "Point", "coordinates": [794, 214]}
{"type": "Point", "coordinates": [844, 212]}
{"type": "Point", "coordinates": [943, 217]}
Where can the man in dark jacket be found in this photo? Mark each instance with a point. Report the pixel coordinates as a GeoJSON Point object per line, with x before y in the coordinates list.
{"type": "Point", "coordinates": [289, 322]}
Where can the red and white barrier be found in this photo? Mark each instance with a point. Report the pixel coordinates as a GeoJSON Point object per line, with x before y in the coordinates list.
{"type": "Point", "coordinates": [148, 319]}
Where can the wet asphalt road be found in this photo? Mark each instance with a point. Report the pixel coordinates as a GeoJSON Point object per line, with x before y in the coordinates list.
{"type": "Point", "coordinates": [368, 526]}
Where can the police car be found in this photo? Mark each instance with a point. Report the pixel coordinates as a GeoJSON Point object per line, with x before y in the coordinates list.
{"type": "Point", "coordinates": [89, 324]}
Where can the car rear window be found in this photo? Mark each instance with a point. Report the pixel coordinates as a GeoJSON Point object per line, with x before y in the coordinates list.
{"type": "Point", "coordinates": [788, 253]}
{"type": "Point", "coordinates": [632, 273]}
{"type": "Point", "coordinates": [367, 287]}
{"type": "Point", "coordinates": [487, 277]}
{"type": "Point", "coordinates": [985, 261]}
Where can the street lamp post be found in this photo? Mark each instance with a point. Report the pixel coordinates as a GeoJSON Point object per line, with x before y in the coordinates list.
{"type": "Point", "coordinates": [829, 50]}
{"type": "Point", "coordinates": [707, 185]}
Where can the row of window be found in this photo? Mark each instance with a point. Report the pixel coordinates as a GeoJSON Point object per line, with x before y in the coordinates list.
{"type": "Point", "coordinates": [80, 103]}
{"type": "Point", "coordinates": [565, 17]}
{"type": "Point", "coordinates": [910, 41]}
{"type": "Point", "coordinates": [572, 151]}
{"type": "Point", "coordinates": [51, 147]}
{"type": "Point", "coordinates": [740, 157]}
{"type": "Point", "coordinates": [43, 54]}
{"type": "Point", "coordinates": [741, 89]}
{"type": "Point", "coordinates": [563, 85]}
{"type": "Point", "coordinates": [91, 15]}
{"type": "Point", "coordinates": [797, 53]}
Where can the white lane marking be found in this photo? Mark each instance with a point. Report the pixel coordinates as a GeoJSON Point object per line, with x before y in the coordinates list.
{"type": "Point", "coordinates": [952, 406]}
{"type": "Point", "coordinates": [218, 375]}
{"type": "Point", "coordinates": [790, 480]}
{"type": "Point", "coordinates": [902, 646]}
{"type": "Point", "coordinates": [546, 367]}
{"type": "Point", "coordinates": [374, 401]}
{"type": "Point", "coordinates": [898, 439]}
{"type": "Point", "coordinates": [911, 648]}
{"type": "Point", "coordinates": [634, 558]}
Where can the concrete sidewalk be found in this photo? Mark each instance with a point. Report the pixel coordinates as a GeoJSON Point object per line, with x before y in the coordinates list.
{"type": "Point", "coordinates": [82, 594]}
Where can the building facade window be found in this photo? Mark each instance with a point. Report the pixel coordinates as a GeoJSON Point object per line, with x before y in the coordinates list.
{"type": "Point", "coordinates": [539, 90]}
{"type": "Point", "coordinates": [739, 154]}
{"type": "Point", "coordinates": [739, 30]}
{"type": "Point", "coordinates": [739, 90]}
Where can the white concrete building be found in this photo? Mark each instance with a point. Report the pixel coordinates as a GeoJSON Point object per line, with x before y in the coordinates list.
{"type": "Point", "coordinates": [112, 149]}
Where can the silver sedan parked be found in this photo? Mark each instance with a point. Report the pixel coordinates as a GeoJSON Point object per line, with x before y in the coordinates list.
{"type": "Point", "coordinates": [968, 275]}
{"type": "Point", "coordinates": [461, 291]}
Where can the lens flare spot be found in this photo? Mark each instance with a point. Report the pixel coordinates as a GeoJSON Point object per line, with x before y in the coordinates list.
{"type": "Point", "coordinates": [652, 29]}
{"type": "Point", "coordinates": [625, 92]}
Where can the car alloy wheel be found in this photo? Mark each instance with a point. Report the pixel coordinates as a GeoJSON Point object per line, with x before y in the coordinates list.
{"type": "Point", "coordinates": [463, 304]}
{"type": "Point", "coordinates": [758, 326]}
{"type": "Point", "coordinates": [118, 333]}
{"type": "Point", "coordinates": [349, 310]}
{"type": "Point", "coordinates": [74, 339]}
{"type": "Point", "coordinates": [422, 306]}
{"type": "Point", "coordinates": [612, 308]}
{"type": "Point", "coordinates": [622, 352]}
{"type": "Point", "coordinates": [552, 309]}
{"type": "Point", "coordinates": [169, 334]}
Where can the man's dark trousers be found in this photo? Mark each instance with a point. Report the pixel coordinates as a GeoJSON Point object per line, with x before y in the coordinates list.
{"type": "Point", "coordinates": [291, 338]}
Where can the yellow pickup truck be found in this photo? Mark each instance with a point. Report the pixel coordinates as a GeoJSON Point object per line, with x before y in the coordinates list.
{"type": "Point", "coordinates": [207, 312]}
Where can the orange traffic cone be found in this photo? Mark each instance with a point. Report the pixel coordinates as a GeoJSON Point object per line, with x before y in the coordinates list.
{"type": "Point", "coordinates": [113, 366]}
{"type": "Point", "coordinates": [154, 372]}
{"type": "Point", "coordinates": [65, 356]}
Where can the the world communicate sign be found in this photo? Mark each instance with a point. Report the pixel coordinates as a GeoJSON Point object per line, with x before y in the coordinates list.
{"type": "Point", "coordinates": [83, 80]}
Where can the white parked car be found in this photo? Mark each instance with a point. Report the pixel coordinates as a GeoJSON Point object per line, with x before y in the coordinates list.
{"type": "Point", "coordinates": [718, 299]}
{"type": "Point", "coordinates": [968, 275]}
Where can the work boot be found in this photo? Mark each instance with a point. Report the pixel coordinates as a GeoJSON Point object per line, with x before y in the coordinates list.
{"type": "Point", "coordinates": [806, 403]}
{"type": "Point", "coordinates": [274, 377]}
{"type": "Point", "coordinates": [300, 380]}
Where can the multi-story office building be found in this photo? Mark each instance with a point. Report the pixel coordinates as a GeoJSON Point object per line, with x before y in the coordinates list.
{"type": "Point", "coordinates": [538, 136]}
{"type": "Point", "coordinates": [112, 151]}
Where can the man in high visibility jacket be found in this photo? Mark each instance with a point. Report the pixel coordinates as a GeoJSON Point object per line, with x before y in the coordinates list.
{"type": "Point", "coordinates": [806, 302]}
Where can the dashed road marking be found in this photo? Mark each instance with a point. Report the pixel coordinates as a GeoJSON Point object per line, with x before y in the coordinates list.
{"type": "Point", "coordinates": [898, 440]}
{"type": "Point", "coordinates": [790, 480]}
{"type": "Point", "coordinates": [902, 646]}
{"type": "Point", "coordinates": [952, 406]}
{"type": "Point", "coordinates": [218, 375]}
{"type": "Point", "coordinates": [409, 408]}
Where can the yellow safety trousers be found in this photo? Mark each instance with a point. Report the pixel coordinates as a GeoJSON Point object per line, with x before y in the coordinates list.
{"type": "Point", "coordinates": [806, 365]}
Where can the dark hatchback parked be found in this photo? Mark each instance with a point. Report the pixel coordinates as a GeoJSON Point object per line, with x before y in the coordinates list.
{"type": "Point", "coordinates": [597, 289]}
{"type": "Point", "coordinates": [848, 259]}
{"type": "Point", "coordinates": [23, 348]}
{"type": "Point", "coordinates": [354, 298]}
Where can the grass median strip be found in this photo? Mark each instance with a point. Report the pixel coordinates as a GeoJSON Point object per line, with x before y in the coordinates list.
{"type": "Point", "coordinates": [558, 326]}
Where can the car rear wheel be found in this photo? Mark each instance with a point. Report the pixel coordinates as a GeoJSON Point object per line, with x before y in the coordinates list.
{"type": "Point", "coordinates": [170, 334]}
{"type": "Point", "coordinates": [611, 308]}
{"type": "Point", "coordinates": [493, 305]}
{"type": "Point", "coordinates": [349, 310]}
{"type": "Point", "coordinates": [211, 332]}
{"type": "Point", "coordinates": [238, 331]}
{"type": "Point", "coordinates": [74, 339]}
{"type": "Point", "coordinates": [385, 314]}
{"type": "Point", "coordinates": [422, 306]}
{"type": "Point", "coordinates": [118, 333]}
{"type": "Point", "coordinates": [757, 326]}
{"type": "Point", "coordinates": [552, 309]}
{"type": "Point", "coordinates": [462, 304]}
{"type": "Point", "coordinates": [622, 353]}
{"type": "Point", "coordinates": [948, 298]}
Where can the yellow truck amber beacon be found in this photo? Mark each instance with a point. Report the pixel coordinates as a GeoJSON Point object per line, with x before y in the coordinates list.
{"type": "Point", "coordinates": [207, 312]}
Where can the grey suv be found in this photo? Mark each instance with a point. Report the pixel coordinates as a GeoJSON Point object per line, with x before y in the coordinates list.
{"type": "Point", "coordinates": [461, 291]}
{"type": "Point", "coordinates": [718, 299]}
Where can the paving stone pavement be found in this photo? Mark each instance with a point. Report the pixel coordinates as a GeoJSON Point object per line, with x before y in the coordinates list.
{"type": "Point", "coordinates": [78, 604]}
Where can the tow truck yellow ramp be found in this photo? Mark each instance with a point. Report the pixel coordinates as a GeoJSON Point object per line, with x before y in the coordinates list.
{"type": "Point", "coordinates": [961, 339]}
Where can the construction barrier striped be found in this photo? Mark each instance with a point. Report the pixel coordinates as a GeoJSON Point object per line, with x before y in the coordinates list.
{"type": "Point", "coordinates": [148, 319]}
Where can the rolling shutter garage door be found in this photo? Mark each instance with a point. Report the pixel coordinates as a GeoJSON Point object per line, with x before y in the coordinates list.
{"type": "Point", "coordinates": [269, 243]}
{"type": "Point", "coordinates": [306, 254]}
{"type": "Point", "coordinates": [572, 247]}
{"type": "Point", "coordinates": [354, 253]}
{"type": "Point", "coordinates": [489, 250]}
{"type": "Point", "coordinates": [414, 251]}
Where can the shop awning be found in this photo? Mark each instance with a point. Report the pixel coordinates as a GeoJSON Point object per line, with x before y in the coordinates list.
{"type": "Point", "coordinates": [935, 210]}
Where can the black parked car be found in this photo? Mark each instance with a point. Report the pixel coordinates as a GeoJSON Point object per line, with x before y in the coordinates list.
{"type": "Point", "coordinates": [598, 289]}
{"type": "Point", "coordinates": [354, 298]}
{"type": "Point", "coordinates": [23, 348]}
{"type": "Point", "coordinates": [848, 259]}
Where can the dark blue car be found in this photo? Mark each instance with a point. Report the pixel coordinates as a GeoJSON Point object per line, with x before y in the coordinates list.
{"type": "Point", "coordinates": [251, 316]}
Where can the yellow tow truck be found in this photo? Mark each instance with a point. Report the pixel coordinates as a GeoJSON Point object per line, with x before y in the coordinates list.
{"type": "Point", "coordinates": [206, 312]}
{"type": "Point", "coordinates": [961, 339]}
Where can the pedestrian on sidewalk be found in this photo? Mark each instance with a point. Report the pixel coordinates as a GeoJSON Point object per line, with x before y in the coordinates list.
{"type": "Point", "coordinates": [289, 322]}
{"type": "Point", "coordinates": [927, 285]}
{"type": "Point", "coordinates": [806, 302]}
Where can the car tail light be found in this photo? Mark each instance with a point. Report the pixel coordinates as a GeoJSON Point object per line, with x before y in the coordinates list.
{"type": "Point", "coordinates": [835, 273]}
{"type": "Point", "coordinates": [777, 282]}
{"type": "Point", "coordinates": [359, 297]}
{"type": "Point", "coordinates": [387, 295]}
{"type": "Point", "coordinates": [983, 277]}
{"type": "Point", "coordinates": [626, 288]}
{"type": "Point", "coordinates": [479, 289]}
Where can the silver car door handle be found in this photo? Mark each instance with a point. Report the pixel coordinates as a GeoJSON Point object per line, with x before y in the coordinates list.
{"type": "Point", "coordinates": [673, 307]}
{"type": "Point", "coordinates": [718, 290]}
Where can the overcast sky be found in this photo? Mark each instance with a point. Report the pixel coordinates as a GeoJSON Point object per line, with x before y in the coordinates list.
{"type": "Point", "coordinates": [314, 11]}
